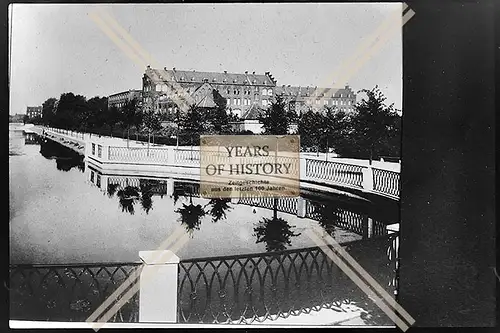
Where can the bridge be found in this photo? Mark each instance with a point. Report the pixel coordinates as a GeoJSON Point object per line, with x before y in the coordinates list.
{"type": "Point", "coordinates": [119, 156]}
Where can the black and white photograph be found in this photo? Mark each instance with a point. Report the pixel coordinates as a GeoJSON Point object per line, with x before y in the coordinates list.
{"type": "Point", "coordinates": [108, 225]}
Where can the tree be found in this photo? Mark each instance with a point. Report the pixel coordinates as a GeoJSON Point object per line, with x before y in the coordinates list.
{"type": "Point", "coordinates": [48, 111]}
{"type": "Point", "coordinates": [70, 111]}
{"type": "Point", "coordinates": [111, 117]}
{"type": "Point", "coordinates": [131, 115]}
{"type": "Point", "coordinates": [25, 119]}
{"type": "Point", "coordinates": [97, 111]}
{"type": "Point", "coordinates": [218, 119]}
{"type": "Point", "coordinates": [276, 119]}
{"type": "Point", "coordinates": [193, 123]}
{"type": "Point", "coordinates": [374, 128]}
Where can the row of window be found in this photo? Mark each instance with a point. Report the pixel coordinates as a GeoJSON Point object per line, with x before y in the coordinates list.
{"type": "Point", "coordinates": [183, 79]}
{"type": "Point", "coordinates": [331, 102]}
{"type": "Point", "coordinates": [243, 101]}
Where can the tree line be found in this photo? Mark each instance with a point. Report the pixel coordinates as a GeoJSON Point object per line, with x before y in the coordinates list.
{"type": "Point", "coordinates": [372, 130]}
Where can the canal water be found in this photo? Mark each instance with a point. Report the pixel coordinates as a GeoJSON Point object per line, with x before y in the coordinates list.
{"type": "Point", "coordinates": [58, 215]}
{"type": "Point", "coordinates": [65, 212]}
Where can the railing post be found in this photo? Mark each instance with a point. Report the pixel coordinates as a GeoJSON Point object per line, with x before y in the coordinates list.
{"type": "Point", "coordinates": [367, 182]}
{"type": "Point", "coordinates": [158, 287]}
{"type": "Point", "coordinates": [301, 207]}
{"type": "Point", "coordinates": [105, 152]}
{"type": "Point", "coordinates": [370, 227]}
{"type": "Point", "coordinates": [302, 171]}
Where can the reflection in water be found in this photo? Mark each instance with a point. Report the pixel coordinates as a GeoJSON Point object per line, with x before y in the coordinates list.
{"type": "Point", "coordinates": [329, 216]}
{"type": "Point", "coordinates": [218, 209]}
{"type": "Point", "coordinates": [127, 198]}
{"type": "Point", "coordinates": [190, 215]}
{"type": "Point", "coordinates": [274, 232]}
{"type": "Point", "coordinates": [66, 159]}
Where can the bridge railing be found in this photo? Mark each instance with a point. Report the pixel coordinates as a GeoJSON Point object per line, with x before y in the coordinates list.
{"type": "Point", "coordinates": [386, 181]}
{"type": "Point", "coordinates": [341, 173]}
{"type": "Point", "coordinates": [245, 289]}
{"type": "Point", "coordinates": [68, 292]}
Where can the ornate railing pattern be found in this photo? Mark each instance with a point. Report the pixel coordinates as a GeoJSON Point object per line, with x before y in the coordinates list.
{"type": "Point", "coordinates": [133, 154]}
{"type": "Point", "coordinates": [68, 292]}
{"type": "Point", "coordinates": [187, 156]}
{"type": "Point", "coordinates": [284, 205]}
{"type": "Point", "coordinates": [345, 219]}
{"type": "Point", "coordinates": [385, 181]}
{"type": "Point", "coordinates": [246, 289]}
{"type": "Point", "coordinates": [347, 174]}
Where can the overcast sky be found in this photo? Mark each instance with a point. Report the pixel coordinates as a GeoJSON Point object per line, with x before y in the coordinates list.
{"type": "Point", "coordinates": [59, 48]}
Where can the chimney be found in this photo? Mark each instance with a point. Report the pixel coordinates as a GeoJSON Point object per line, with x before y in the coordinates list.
{"type": "Point", "coordinates": [246, 72]}
{"type": "Point", "coordinates": [253, 73]}
{"type": "Point", "coordinates": [288, 86]}
{"type": "Point", "coordinates": [173, 69]}
{"type": "Point", "coordinates": [225, 72]}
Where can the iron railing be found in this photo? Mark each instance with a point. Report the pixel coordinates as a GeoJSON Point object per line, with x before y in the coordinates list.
{"type": "Point", "coordinates": [239, 289]}
{"type": "Point", "coordinates": [68, 292]}
{"type": "Point", "coordinates": [284, 205]}
{"type": "Point", "coordinates": [245, 289]}
{"type": "Point", "coordinates": [342, 173]}
{"type": "Point", "coordinates": [385, 181]}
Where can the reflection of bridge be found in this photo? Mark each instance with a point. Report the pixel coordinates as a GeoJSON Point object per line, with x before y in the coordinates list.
{"type": "Point", "coordinates": [341, 217]}
{"type": "Point", "coordinates": [233, 289]}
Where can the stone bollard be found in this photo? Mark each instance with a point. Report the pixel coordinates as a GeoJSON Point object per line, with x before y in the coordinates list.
{"type": "Point", "coordinates": [158, 287]}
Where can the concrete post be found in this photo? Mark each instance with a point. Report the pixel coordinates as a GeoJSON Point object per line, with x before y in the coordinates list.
{"type": "Point", "coordinates": [370, 227]}
{"type": "Point", "coordinates": [170, 186]}
{"type": "Point", "coordinates": [301, 207]}
{"type": "Point", "coordinates": [367, 179]}
{"type": "Point", "coordinates": [302, 173]}
{"type": "Point", "coordinates": [158, 287]}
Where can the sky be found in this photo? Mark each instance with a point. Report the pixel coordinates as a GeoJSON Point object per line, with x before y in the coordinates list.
{"type": "Point", "coordinates": [60, 48]}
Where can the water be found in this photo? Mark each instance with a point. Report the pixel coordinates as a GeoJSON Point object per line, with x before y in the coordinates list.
{"type": "Point", "coordinates": [58, 215]}
{"type": "Point", "coordinates": [65, 211]}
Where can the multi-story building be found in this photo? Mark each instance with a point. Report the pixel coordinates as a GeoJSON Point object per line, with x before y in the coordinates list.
{"type": "Point", "coordinates": [120, 98]}
{"type": "Point", "coordinates": [34, 111]}
{"type": "Point", "coordinates": [241, 91]}
{"type": "Point", "coordinates": [301, 99]}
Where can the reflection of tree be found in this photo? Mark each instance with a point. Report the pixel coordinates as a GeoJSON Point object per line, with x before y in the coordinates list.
{"type": "Point", "coordinates": [127, 198]}
{"type": "Point", "coordinates": [329, 216]}
{"type": "Point", "coordinates": [112, 188]}
{"type": "Point", "coordinates": [191, 215]}
{"type": "Point", "coordinates": [274, 232]}
{"type": "Point", "coordinates": [147, 194]}
{"type": "Point", "coordinates": [219, 206]}
{"type": "Point", "coordinates": [66, 164]}
{"type": "Point", "coordinates": [65, 158]}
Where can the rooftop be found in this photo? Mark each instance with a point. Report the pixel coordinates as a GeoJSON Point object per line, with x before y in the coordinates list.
{"type": "Point", "coordinates": [183, 76]}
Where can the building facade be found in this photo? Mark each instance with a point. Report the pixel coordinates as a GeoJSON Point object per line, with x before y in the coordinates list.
{"type": "Point", "coordinates": [301, 99]}
{"type": "Point", "coordinates": [34, 111]}
{"type": "Point", "coordinates": [241, 90]}
{"type": "Point", "coordinates": [120, 98]}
